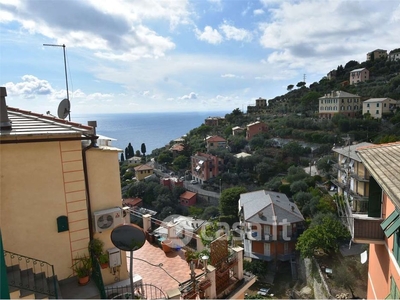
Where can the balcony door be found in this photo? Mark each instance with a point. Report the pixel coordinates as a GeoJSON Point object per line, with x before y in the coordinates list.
{"type": "Point", "coordinates": [267, 249]}
{"type": "Point", "coordinates": [286, 248]}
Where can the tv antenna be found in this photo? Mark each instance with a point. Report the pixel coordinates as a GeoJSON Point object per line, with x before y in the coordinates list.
{"type": "Point", "coordinates": [64, 108]}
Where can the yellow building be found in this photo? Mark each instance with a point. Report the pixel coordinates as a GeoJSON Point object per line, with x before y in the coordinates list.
{"type": "Point", "coordinates": [54, 192]}
{"type": "Point", "coordinates": [143, 171]}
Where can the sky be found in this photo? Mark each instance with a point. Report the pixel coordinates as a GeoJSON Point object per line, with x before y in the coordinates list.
{"type": "Point", "coordinates": [133, 56]}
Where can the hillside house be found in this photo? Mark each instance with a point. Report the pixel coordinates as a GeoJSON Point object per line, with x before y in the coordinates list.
{"type": "Point", "coordinates": [142, 171]}
{"type": "Point", "coordinates": [188, 199]}
{"type": "Point", "coordinates": [339, 102]}
{"type": "Point", "coordinates": [271, 225]}
{"type": "Point", "coordinates": [377, 54]}
{"type": "Point", "coordinates": [255, 128]}
{"type": "Point", "coordinates": [237, 130]}
{"type": "Point", "coordinates": [377, 107]}
{"type": "Point", "coordinates": [359, 75]}
{"type": "Point", "coordinates": [260, 106]}
{"type": "Point", "coordinates": [215, 143]}
{"type": "Point", "coordinates": [394, 55]}
{"type": "Point", "coordinates": [214, 121]}
{"type": "Point", "coordinates": [205, 166]}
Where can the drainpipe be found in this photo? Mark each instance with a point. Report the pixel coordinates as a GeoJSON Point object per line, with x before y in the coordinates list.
{"type": "Point", "coordinates": [85, 172]}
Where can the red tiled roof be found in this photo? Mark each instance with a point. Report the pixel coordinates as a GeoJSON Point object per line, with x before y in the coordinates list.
{"type": "Point", "coordinates": [177, 147]}
{"type": "Point", "coordinates": [143, 167]}
{"type": "Point", "coordinates": [216, 138]}
{"type": "Point", "coordinates": [132, 201]}
{"type": "Point", "coordinates": [187, 195]}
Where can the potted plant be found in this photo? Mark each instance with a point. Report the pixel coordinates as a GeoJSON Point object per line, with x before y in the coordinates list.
{"type": "Point", "coordinates": [103, 260]}
{"type": "Point", "coordinates": [82, 267]}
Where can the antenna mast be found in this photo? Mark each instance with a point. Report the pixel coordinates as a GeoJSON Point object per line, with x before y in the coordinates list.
{"type": "Point", "coordinates": [65, 70]}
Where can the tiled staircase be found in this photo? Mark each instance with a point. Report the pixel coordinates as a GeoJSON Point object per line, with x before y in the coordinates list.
{"type": "Point", "coordinates": [30, 279]}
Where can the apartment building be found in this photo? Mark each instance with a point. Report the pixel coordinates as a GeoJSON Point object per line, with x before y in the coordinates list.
{"type": "Point", "coordinates": [59, 190]}
{"type": "Point", "coordinates": [353, 184]}
{"type": "Point", "coordinates": [271, 225]}
{"type": "Point", "coordinates": [214, 121]}
{"type": "Point", "coordinates": [339, 102]}
{"type": "Point", "coordinates": [394, 55]}
{"type": "Point", "coordinates": [377, 54]}
{"type": "Point", "coordinates": [205, 166]}
{"type": "Point", "coordinates": [376, 107]}
{"type": "Point", "coordinates": [359, 75]}
{"type": "Point", "coordinates": [383, 164]}
{"type": "Point", "coordinates": [255, 128]}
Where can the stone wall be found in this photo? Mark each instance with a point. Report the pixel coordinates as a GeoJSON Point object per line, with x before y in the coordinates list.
{"type": "Point", "coordinates": [311, 274]}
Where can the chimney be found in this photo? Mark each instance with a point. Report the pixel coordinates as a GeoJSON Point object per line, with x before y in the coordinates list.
{"type": "Point", "coordinates": [5, 123]}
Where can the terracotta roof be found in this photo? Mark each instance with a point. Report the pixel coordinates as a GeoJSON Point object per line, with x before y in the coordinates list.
{"type": "Point", "coordinates": [143, 168]}
{"type": "Point", "coordinates": [177, 147]}
{"type": "Point", "coordinates": [132, 201]}
{"type": "Point", "coordinates": [187, 195]}
{"type": "Point", "coordinates": [383, 162]}
{"type": "Point", "coordinates": [216, 138]}
{"type": "Point", "coordinates": [27, 123]}
{"type": "Point", "coordinates": [339, 94]}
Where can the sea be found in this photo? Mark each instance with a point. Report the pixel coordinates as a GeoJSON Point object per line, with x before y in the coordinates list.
{"type": "Point", "coordinates": [154, 129]}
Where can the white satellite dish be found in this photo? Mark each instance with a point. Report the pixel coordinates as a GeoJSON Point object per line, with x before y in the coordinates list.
{"type": "Point", "coordinates": [64, 108]}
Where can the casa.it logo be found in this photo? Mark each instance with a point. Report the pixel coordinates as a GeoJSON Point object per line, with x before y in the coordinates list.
{"type": "Point", "coordinates": [180, 231]}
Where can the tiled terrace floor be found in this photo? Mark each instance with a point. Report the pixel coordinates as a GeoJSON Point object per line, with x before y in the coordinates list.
{"type": "Point", "coordinates": [174, 263]}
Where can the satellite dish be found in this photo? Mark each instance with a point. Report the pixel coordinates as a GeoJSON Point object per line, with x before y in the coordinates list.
{"type": "Point", "coordinates": [64, 108]}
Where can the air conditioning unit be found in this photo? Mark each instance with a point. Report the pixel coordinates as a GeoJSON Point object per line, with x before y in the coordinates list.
{"type": "Point", "coordinates": [108, 219]}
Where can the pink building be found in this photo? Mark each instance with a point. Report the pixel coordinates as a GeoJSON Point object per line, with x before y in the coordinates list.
{"type": "Point", "coordinates": [383, 163]}
{"type": "Point", "coordinates": [255, 128]}
{"type": "Point", "coordinates": [215, 142]}
{"type": "Point", "coordinates": [205, 166]}
{"type": "Point", "coordinates": [359, 75]}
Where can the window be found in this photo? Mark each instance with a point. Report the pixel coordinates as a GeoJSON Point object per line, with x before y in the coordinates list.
{"type": "Point", "coordinates": [396, 246]}
{"type": "Point", "coordinates": [377, 105]}
{"type": "Point", "coordinates": [384, 104]}
{"type": "Point", "coordinates": [367, 104]}
{"type": "Point", "coordinates": [377, 112]}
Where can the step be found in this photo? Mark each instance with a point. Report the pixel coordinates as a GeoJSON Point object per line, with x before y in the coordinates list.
{"type": "Point", "coordinates": [28, 283]}
{"type": "Point", "coordinates": [41, 287]}
{"type": "Point", "coordinates": [14, 277]}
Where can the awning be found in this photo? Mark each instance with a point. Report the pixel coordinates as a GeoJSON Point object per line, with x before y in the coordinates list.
{"type": "Point", "coordinates": [391, 224]}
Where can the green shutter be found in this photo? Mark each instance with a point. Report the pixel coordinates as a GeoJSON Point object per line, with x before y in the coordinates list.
{"type": "Point", "coordinates": [374, 200]}
{"type": "Point", "coordinates": [391, 224]}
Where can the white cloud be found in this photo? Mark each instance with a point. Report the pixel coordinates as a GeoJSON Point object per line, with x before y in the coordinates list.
{"type": "Point", "coordinates": [233, 33]}
{"type": "Point", "coordinates": [230, 76]}
{"type": "Point", "coordinates": [209, 35]}
{"type": "Point", "coordinates": [258, 12]}
{"type": "Point", "coordinates": [294, 31]}
{"type": "Point", "coordinates": [116, 30]}
{"type": "Point", "coordinates": [191, 96]}
{"type": "Point", "coordinates": [30, 87]}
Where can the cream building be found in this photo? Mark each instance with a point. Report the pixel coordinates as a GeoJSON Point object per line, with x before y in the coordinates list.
{"type": "Point", "coordinates": [378, 106]}
{"type": "Point", "coordinates": [339, 102]}
{"type": "Point", "coordinates": [56, 184]}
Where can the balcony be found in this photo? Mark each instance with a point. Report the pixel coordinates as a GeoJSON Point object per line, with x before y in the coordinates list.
{"type": "Point", "coordinates": [368, 230]}
{"type": "Point", "coordinates": [338, 183]}
{"type": "Point", "coordinates": [270, 238]}
{"type": "Point", "coordinates": [359, 178]}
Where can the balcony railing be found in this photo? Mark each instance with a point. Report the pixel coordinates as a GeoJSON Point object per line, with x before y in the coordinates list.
{"type": "Point", "coordinates": [141, 291]}
{"type": "Point", "coordinates": [368, 230]}
{"type": "Point", "coordinates": [270, 237]}
{"type": "Point", "coordinates": [338, 183]}
{"type": "Point", "coordinates": [359, 178]}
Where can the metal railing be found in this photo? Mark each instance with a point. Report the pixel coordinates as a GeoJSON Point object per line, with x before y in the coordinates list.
{"type": "Point", "coordinates": [27, 273]}
{"type": "Point", "coordinates": [141, 291]}
{"type": "Point", "coordinates": [97, 277]}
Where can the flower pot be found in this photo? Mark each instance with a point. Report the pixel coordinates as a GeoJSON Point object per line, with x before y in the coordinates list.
{"type": "Point", "coordinates": [104, 265]}
{"type": "Point", "coordinates": [166, 246]}
{"type": "Point", "coordinates": [83, 280]}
